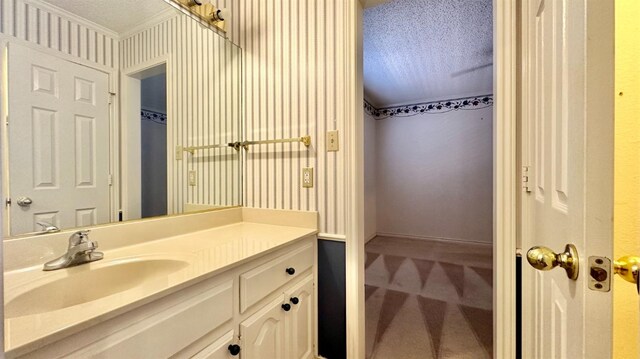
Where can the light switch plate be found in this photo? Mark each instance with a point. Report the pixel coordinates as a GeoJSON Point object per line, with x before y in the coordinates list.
{"type": "Point", "coordinates": [332, 141]}
{"type": "Point", "coordinates": [192, 178]}
{"type": "Point", "coordinates": [307, 177]}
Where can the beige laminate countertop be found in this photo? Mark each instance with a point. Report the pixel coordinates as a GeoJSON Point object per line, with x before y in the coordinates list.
{"type": "Point", "coordinates": [206, 252]}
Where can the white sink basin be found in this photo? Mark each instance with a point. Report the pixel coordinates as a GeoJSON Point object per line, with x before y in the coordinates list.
{"type": "Point", "coordinates": [90, 282]}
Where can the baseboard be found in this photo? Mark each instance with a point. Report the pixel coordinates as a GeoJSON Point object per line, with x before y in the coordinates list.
{"type": "Point", "coordinates": [428, 238]}
{"type": "Point", "coordinates": [366, 240]}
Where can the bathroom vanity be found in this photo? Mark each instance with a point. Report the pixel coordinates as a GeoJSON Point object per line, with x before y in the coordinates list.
{"type": "Point", "coordinates": [231, 283]}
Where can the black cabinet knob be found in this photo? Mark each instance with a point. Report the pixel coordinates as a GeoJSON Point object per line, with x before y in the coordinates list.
{"type": "Point", "coordinates": [294, 300]}
{"type": "Point", "coordinates": [234, 349]}
{"type": "Point", "coordinates": [290, 271]}
{"type": "Point", "coordinates": [286, 307]}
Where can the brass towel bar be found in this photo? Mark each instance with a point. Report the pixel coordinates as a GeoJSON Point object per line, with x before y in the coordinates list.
{"type": "Point", "coordinates": [193, 149]}
{"type": "Point", "coordinates": [306, 140]}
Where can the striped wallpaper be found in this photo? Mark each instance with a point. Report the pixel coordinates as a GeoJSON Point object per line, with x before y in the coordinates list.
{"type": "Point", "coordinates": [292, 52]}
{"type": "Point", "coordinates": [203, 106]}
{"type": "Point", "coordinates": [46, 26]}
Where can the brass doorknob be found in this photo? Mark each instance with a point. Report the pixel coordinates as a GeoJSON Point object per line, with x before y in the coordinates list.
{"type": "Point", "coordinates": [628, 267]}
{"type": "Point", "coordinates": [544, 259]}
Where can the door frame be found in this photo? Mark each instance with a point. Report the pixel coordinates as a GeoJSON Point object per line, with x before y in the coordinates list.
{"type": "Point", "coordinates": [505, 178]}
{"type": "Point", "coordinates": [114, 194]}
{"type": "Point", "coordinates": [129, 117]}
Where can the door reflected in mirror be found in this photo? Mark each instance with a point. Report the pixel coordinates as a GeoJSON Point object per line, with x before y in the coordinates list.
{"type": "Point", "coordinates": [102, 101]}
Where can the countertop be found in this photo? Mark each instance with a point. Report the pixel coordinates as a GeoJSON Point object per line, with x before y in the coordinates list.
{"type": "Point", "coordinates": [206, 252]}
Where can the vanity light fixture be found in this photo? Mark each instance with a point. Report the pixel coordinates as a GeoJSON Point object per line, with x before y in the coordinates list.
{"type": "Point", "coordinates": [220, 15]}
{"type": "Point", "coordinates": [216, 15]}
{"type": "Point", "coordinates": [206, 11]}
{"type": "Point", "coordinates": [199, 2]}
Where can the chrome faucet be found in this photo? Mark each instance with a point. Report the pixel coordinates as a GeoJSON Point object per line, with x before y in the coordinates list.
{"type": "Point", "coordinates": [47, 228]}
{"type": "Point", "coordinates": [81, 250]}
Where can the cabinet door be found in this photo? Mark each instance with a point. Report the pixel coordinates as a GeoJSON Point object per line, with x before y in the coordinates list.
{"type": "Point", "coordinates": [263, 333]}
{"type": "Point", "coordinates": [219, 349]}
{"type": "Point", "coordinates": [300, 321]}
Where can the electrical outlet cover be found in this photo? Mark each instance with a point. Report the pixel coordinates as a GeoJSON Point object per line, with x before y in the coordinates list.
{"type": "Point", "coordinates": [307, 177]}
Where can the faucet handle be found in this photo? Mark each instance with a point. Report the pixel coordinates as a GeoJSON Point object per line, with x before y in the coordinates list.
{"type": "Point", "coordinates": [79, 237]}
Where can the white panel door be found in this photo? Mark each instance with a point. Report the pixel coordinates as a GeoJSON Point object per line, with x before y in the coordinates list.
{"type": "Point", "coordinates": [568, 144]}
{"type": "Point", "coordinates": [58, 141]}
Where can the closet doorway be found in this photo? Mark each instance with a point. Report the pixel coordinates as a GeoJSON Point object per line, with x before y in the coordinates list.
{"type": "Point", "coordinates": [428, 130]}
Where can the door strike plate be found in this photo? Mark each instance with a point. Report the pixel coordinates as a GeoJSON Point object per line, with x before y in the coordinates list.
{"type": "Point", "coordinates": [599, 274]}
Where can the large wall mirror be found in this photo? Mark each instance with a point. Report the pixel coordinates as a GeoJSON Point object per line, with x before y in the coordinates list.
{"type": "Point", "coordinates": [115, 111]}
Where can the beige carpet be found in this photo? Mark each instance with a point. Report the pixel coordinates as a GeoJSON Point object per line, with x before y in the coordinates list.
{"type": "Point", "coordinates": [428, 299]}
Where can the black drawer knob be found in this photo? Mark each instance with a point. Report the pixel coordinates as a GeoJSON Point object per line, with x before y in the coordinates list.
{"type": "Point", "coordinates": [286, 307]}
{"type": "Point", "coordinates": [294, 300]}
{"type": "Point", "coordinates": [290, 271]}
{"type": "Point", "coordinates": [234, 349]}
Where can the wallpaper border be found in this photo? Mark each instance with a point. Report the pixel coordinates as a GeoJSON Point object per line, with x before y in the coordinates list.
{"type": "Point", "coordinates": [433, 107]}
{"type": "Point", "coordinates": [157, 117]}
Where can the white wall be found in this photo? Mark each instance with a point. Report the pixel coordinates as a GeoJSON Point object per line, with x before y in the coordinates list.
{"type": "Point", "coordinates": [434, 175]}
{"type": "Point", "coordinates": [153, 94]}
{"type": "Point", "coordinates": [370, 177]}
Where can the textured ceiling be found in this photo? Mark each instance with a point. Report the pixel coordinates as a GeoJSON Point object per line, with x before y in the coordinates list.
{"type": "Point", "coordinates": [424, 50]}
{"type": "Point", "coordinates": [116, 15]}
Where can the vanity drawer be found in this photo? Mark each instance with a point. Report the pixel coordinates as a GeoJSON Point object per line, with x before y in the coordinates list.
{"type": "Point", "coordinates": [218, 349]}
{"type": "Point", "coordinates": [263, 280]}
{"type": "Point", "coordinates": [165, 333]}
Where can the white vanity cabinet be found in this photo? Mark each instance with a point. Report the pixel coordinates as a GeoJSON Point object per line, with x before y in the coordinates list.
{"type": "Point", "coordinates": [265, 307]}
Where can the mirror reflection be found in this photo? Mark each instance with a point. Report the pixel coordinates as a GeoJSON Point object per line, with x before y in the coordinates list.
{"type": "Point", "coordinates": [116, 113]}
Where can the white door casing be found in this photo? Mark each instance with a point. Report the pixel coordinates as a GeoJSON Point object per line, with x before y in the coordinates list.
{"type": "Point", "coordinates": [58, 114]}
{"type": "Point", "coordinates": [567, 134]}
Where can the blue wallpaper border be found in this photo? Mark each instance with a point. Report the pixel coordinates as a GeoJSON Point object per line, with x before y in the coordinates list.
{"type": "Point", "coordinates": [434, 107]}
{"type": "Point", "coordinates": [153, 116]}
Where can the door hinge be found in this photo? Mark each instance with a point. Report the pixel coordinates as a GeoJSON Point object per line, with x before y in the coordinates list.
{"type": "Point", "coordinates": [111, 95]}
{"type": "Point", "coordinates": [110, 180]}
{"type": "Point", "coordinates": [525, 179]}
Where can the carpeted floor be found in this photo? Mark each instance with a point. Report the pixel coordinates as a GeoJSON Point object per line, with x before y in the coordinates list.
{"type": "Point", "coordinates": [428, 299]}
